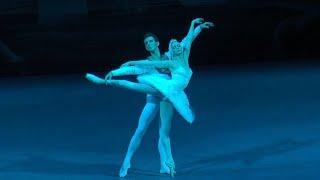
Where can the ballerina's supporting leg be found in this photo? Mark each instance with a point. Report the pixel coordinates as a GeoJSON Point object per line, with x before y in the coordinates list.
{"type": "Point", "coordinates": [166, 114]}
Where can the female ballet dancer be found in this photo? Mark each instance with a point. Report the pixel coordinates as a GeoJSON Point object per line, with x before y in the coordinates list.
{"type": "Point", "coordinates": [178, 65]}
{"type": "Point", "coordinates": [171, 89]}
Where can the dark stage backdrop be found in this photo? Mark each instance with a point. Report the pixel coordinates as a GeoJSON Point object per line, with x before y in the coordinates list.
{"type": "Point", "coordinates": [45, 36]}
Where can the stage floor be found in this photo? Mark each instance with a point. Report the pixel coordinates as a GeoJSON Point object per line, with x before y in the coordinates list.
{"type": "Point", "coordinates": [251, 123]}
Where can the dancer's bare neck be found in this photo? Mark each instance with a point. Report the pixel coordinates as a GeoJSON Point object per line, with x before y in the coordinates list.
{"type": "Point", "coordinates": [155, 55]}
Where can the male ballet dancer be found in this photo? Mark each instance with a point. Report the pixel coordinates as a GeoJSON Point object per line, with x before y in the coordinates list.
{"type": "Point", "coordinates": [151, 108]}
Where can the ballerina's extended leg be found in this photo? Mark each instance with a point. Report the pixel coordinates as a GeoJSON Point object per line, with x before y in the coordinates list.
{"type": "Point", "coordinates": [138, 87]}
{"type": "Point", "coordinates": [130, 70]}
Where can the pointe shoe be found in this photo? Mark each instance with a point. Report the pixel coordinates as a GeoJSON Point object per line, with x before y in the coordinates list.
{"type": "Point", "coordinates": [164, 169]}
{"type": "Point", "coordinates": [171, 166]}
{"type": "Point", "coordinates": [94, 79]}
{"type": "Point", "coordinates": [124, 170]}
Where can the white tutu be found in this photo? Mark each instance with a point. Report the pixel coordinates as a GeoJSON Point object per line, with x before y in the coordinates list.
{"type": "Point", "coordinates": [173, 90]}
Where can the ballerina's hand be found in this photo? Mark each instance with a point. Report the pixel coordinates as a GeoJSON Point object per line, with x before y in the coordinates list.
{"type": "Point", "coordinates": [108, 76]}
{"type": "Point", "coordinates": [206, 25]}
{"type": "Point", "coordinates": [198, 20]}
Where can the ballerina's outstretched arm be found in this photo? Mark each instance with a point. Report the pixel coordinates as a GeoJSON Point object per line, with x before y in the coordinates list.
{"type": "Point", "coordinates": [195, 31]}
{"type": "Point", "coordinates": [193, 34]}
{"type": "Point", "coordinates": [152, 64]}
